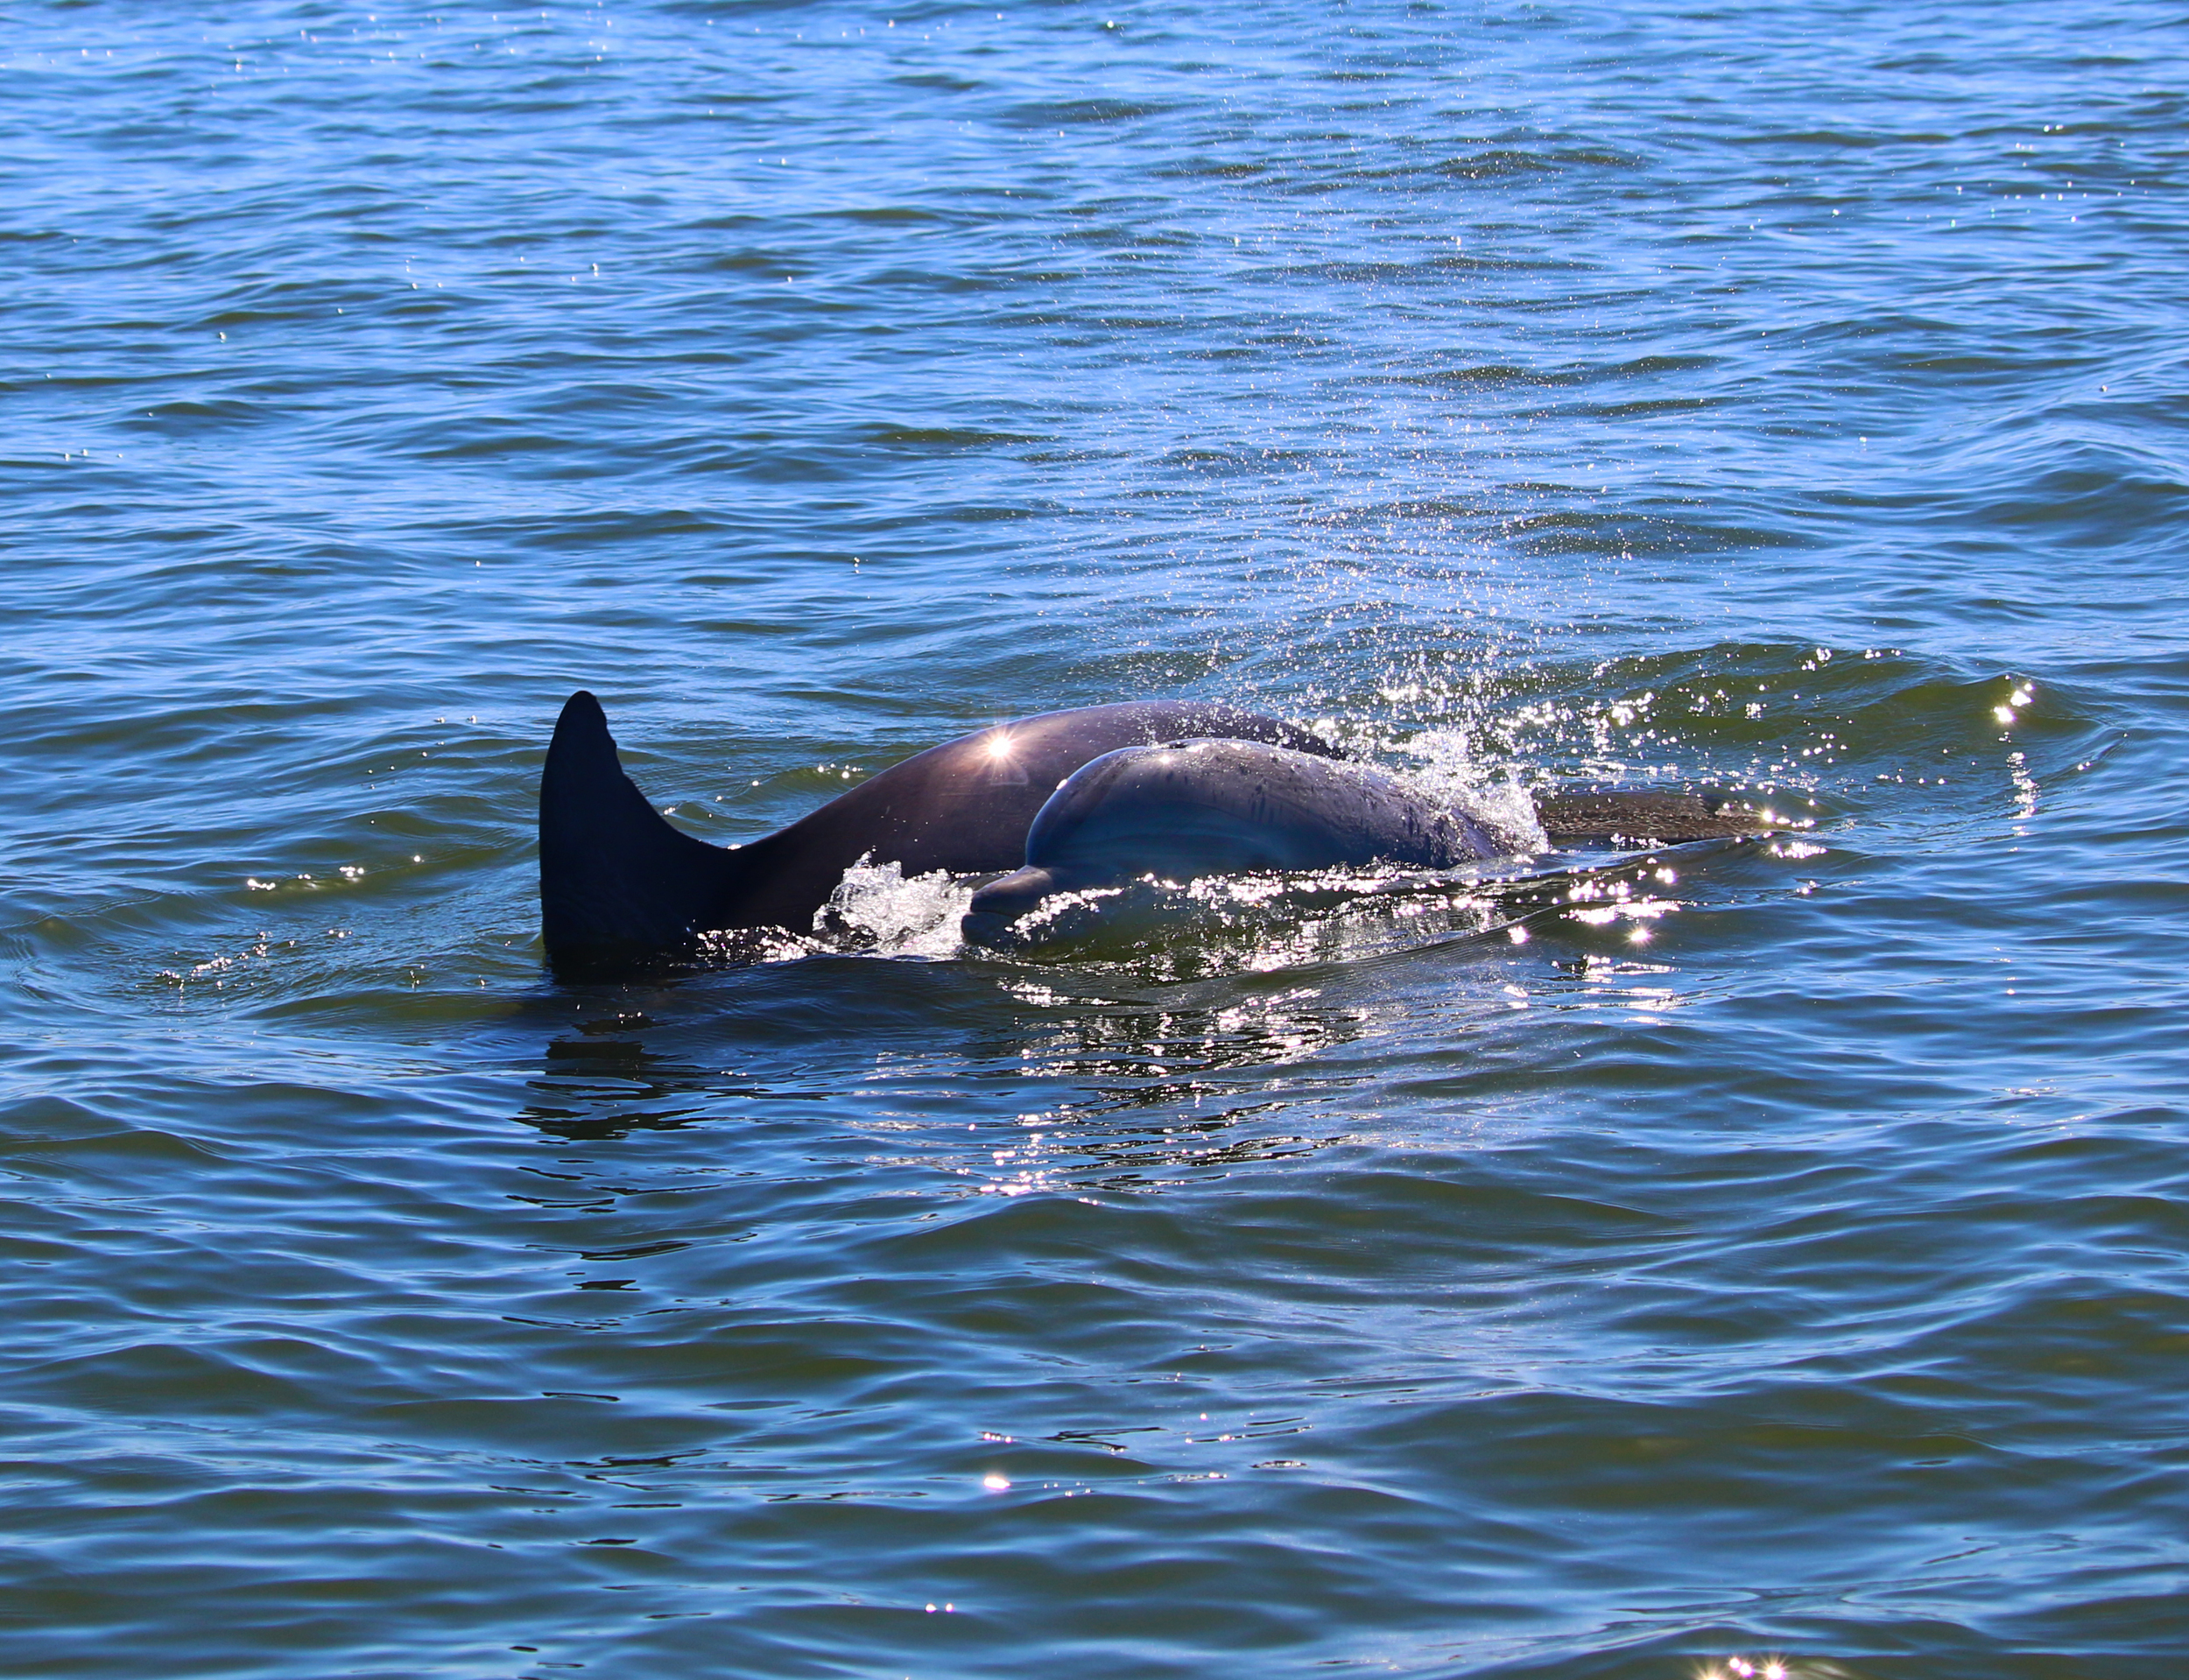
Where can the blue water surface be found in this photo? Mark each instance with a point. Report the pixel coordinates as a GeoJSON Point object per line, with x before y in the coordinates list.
{"type": "Point", "coordinates": [1752, 1254]}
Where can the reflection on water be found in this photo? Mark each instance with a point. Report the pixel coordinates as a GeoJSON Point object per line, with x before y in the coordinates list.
{"type": "Point", "coordinates": [1102, 1065]}
{"type": "Point", "coordinates": [1156, 1048]}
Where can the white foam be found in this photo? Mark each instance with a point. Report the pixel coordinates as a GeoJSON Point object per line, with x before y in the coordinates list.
{"type": "Point", "coordinates": [875, 909]}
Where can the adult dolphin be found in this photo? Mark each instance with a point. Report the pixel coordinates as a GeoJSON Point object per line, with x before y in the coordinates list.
{"type": "Point", "coordinates": [619, 886]}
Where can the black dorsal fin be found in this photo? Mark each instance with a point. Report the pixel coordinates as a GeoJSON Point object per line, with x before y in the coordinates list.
{"type": "Point", "coordinates": [615, 880]}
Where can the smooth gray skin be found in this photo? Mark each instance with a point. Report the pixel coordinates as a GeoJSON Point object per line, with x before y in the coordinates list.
{"type": "Point", "coordinates": [1192, 808]}
{"type": "Point", "coordinates": [620, 887]}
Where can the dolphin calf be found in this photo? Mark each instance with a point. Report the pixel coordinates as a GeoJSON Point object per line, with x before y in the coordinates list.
{"type": "Point", "coordinates": [1192, 808]}
{"type": "Point", "coordinates": [1175, 788]}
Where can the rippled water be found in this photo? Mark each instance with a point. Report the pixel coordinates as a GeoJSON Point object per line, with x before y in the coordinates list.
{"type": "Point", "coordinates": [1777, 1253]}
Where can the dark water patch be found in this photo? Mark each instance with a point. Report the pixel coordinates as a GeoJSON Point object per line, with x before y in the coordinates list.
{"type": "Point", "coordinates": [1048, 113]}
{"type": "Point", "coordinates": [940, 82]}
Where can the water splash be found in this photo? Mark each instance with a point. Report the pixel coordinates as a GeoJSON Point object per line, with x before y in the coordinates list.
{"type": "Point", "coordinates": [876, 909]}
{"type": "Point", "coordinates": [1448, 767]}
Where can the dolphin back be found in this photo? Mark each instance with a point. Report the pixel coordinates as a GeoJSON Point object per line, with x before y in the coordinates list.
{"type": "Point", "coordinates": [618, 886]}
